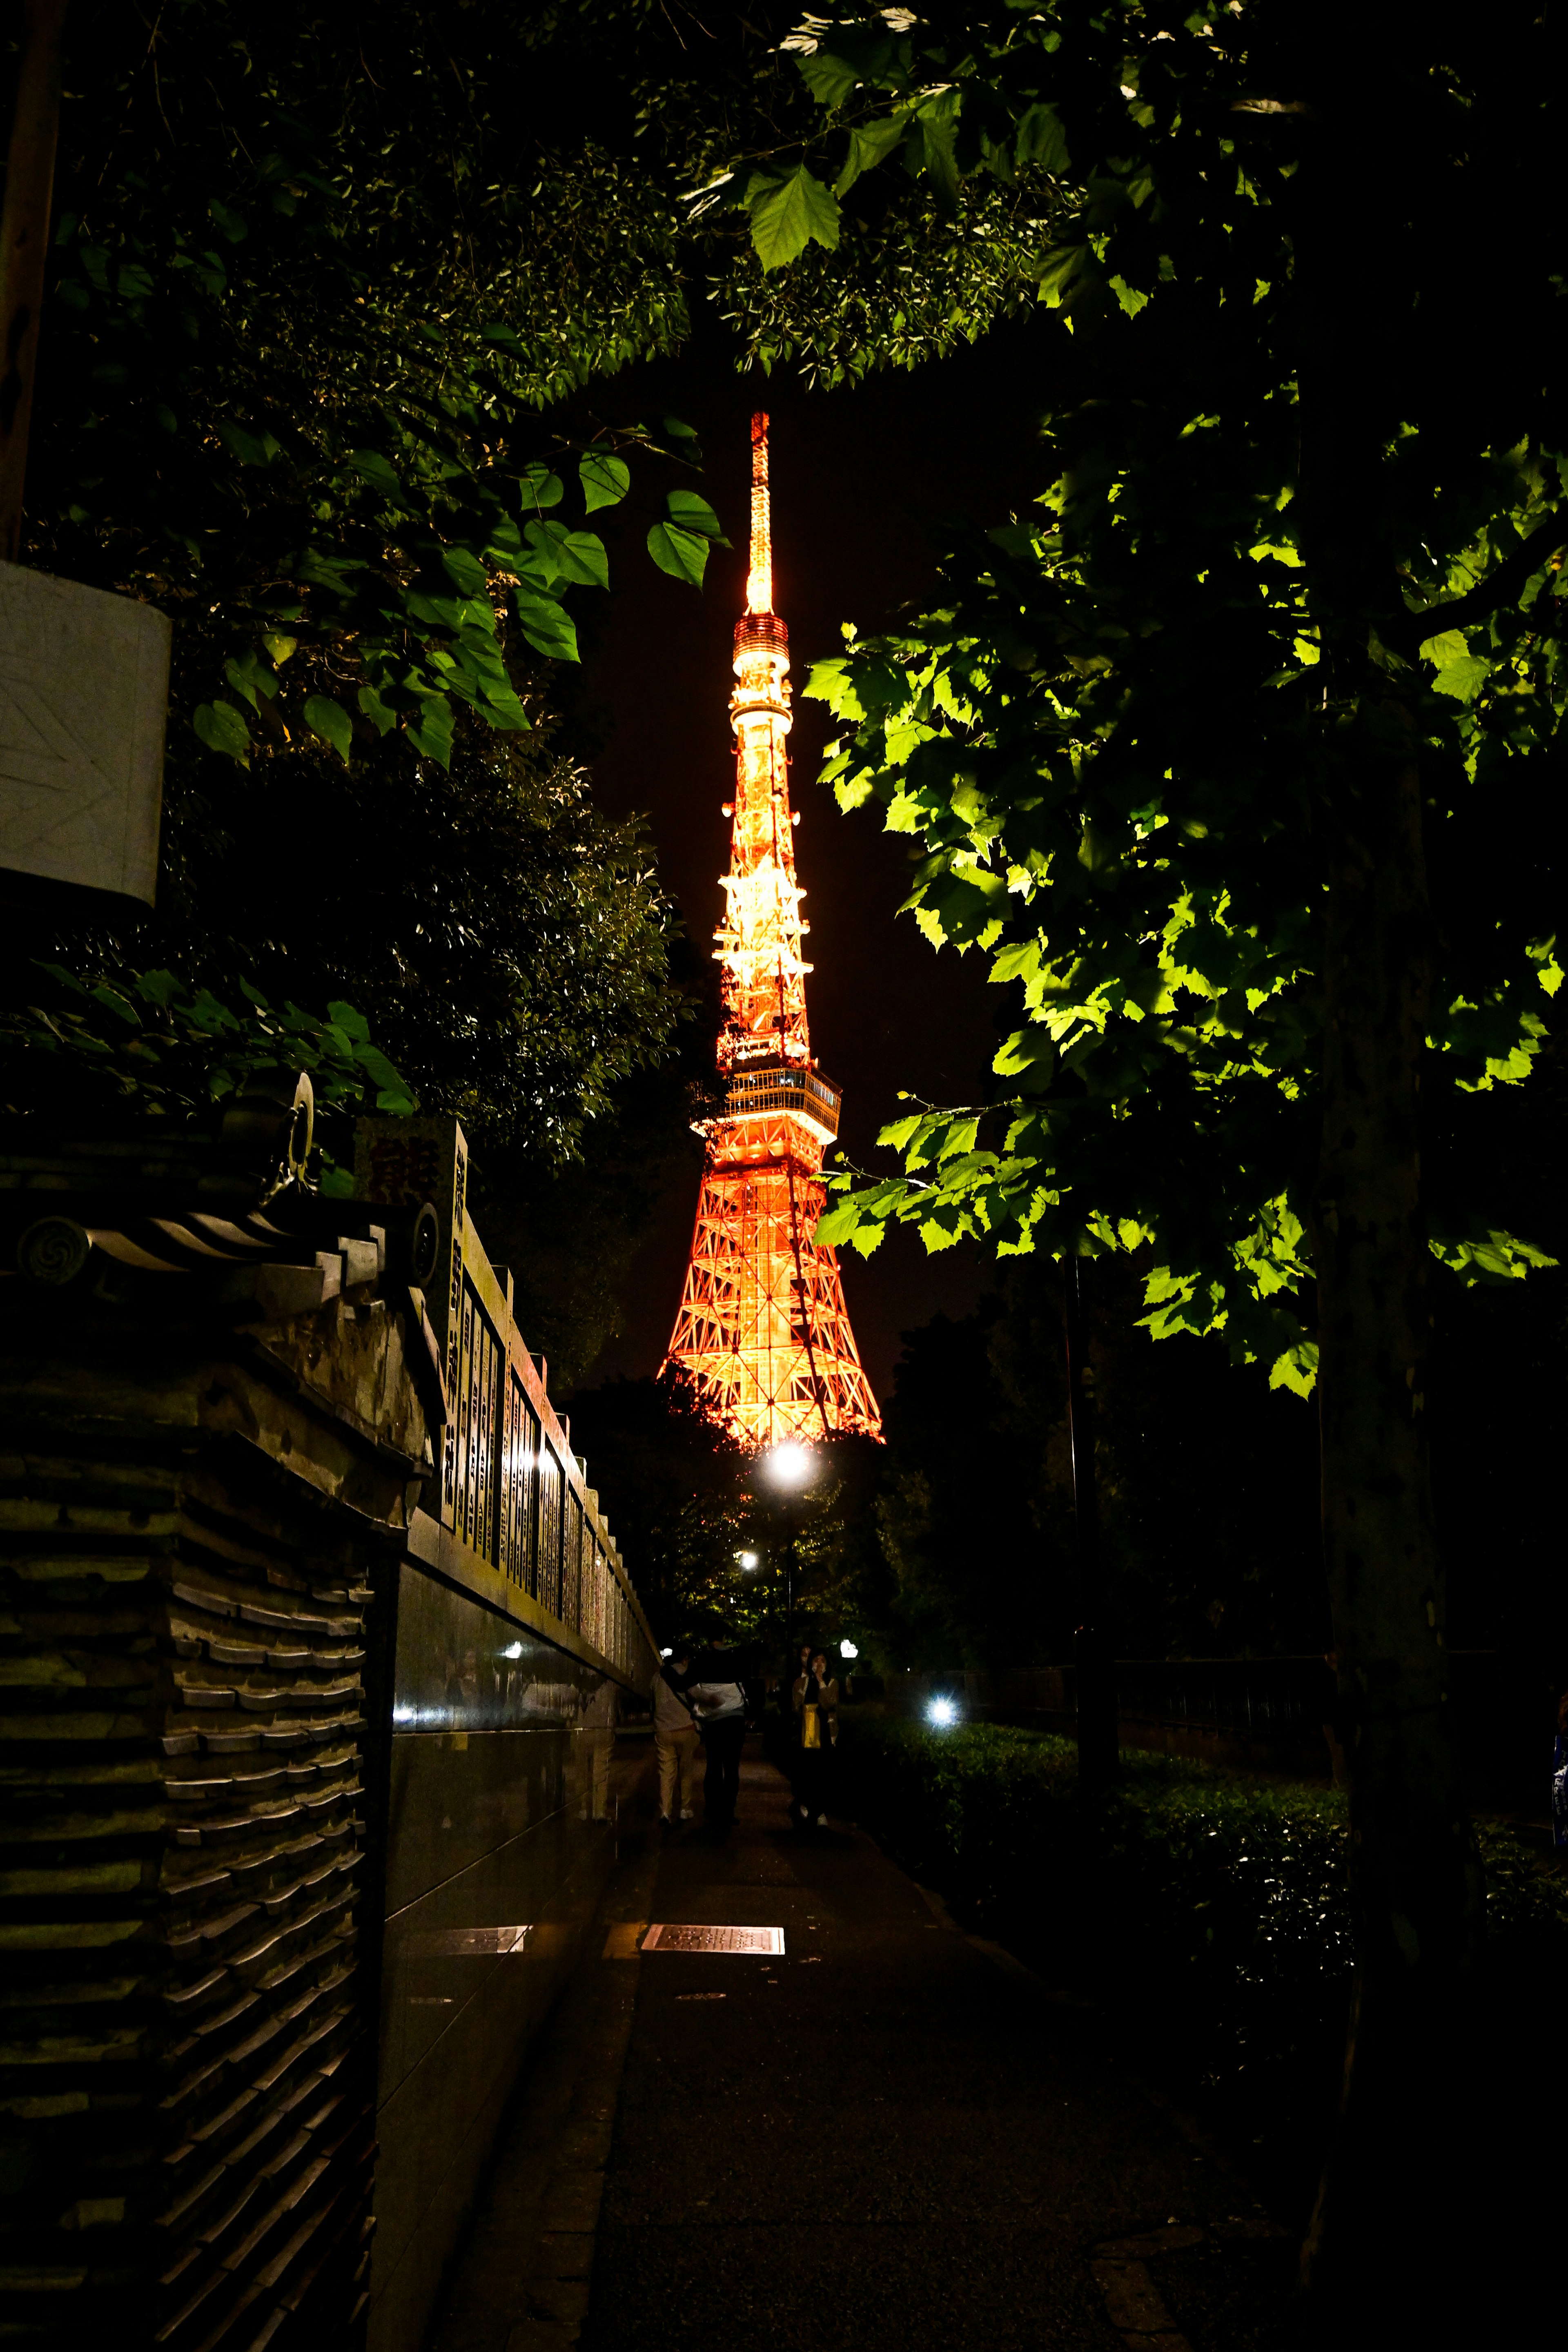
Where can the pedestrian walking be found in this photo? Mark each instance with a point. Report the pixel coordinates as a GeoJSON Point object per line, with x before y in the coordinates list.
{"type": "Point", "coordinates": [721, 1705]}
{"type": "Point", "coordinates": [675, 1737]}
{"type": "Point", "coordinates": [814, 1700]}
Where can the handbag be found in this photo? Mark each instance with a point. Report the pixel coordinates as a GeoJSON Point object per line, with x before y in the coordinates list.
{"type": "Point", "coordinates": [811, 1727]}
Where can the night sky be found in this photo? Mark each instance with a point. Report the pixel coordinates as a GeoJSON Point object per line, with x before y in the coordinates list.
{"type": "Point", "coordinates": [865, 482]}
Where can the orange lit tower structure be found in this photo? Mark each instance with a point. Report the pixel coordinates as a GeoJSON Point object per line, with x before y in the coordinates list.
{"type": "Point", "coordinates": [762, 1335]}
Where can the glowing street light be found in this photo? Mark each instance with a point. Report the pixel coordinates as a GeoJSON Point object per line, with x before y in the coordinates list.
{"type": "Point", "coordinates": [789, 1465]}
{"type": "Point", "coordinates": [848, 1650]}
{"type": "Point", "coordinates": [942, 1712]}
{"type": "Point", "coordinates": [748, 1559]}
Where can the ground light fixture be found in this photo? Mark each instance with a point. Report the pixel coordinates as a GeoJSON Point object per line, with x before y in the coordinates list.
{"type": "Point", "coordinates": [789, 1465]}
{"type": "Point", "coordinates": [942, 1712]}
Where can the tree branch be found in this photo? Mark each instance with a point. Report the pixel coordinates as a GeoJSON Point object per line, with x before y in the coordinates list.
{"type": "Point", "coordinates": [1463, 612]}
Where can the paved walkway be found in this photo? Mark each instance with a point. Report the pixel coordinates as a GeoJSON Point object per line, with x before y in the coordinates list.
{"type": "Point", "coordinates": [890, 2135]}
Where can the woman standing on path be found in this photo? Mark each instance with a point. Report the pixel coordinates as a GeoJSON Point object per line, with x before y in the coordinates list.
{"type": "Point", "coordinates": [815, 1699]}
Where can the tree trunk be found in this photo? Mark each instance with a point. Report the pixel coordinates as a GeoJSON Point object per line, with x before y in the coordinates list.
{"type": "Point", "coordinates": [1414, 1887]}
{"type": "Point", "coordinates": [1093, 1655]}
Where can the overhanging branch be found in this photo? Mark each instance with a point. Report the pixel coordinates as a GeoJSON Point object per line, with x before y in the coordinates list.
{"type": "Point", "coordinates": [1498, 588]}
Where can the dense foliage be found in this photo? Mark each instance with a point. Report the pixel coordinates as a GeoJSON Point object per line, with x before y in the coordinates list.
{"type": "Point", "coordinates": [1276, 537]}
{"type": "Point", "coordinates": [1212, 1908]}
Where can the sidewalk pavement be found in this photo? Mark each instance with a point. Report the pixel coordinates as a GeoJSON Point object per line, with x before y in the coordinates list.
{"type": "Point", "coordinates": [891, 2136]}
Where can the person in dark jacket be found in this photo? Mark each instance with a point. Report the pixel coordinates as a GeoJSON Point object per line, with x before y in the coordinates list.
{"type": "Point", "coordinates": [718, 1699]}
{"type": "Point", "coordinates": [814, 1700]}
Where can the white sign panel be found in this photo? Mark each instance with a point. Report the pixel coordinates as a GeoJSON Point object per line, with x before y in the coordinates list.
{"type": "Point", "coordinates": [84, 686]}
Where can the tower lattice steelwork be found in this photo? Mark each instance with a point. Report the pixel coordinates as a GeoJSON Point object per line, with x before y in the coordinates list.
{"type": "Point", "coordinates": [762, 1335]}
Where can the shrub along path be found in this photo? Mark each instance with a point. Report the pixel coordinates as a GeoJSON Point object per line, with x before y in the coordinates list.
{"type": "Point", "coordinates": [885, 2137]}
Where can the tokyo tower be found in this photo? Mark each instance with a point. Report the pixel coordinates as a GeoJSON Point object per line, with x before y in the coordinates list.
{"type": "Point", "coordinates": [763, 1337]}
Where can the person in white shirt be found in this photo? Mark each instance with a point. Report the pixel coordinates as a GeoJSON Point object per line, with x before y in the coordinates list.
{"type": "Point", "coordinates": [674, 1737]}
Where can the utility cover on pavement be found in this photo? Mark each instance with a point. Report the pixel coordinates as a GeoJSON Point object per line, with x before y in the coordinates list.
{"type": "Point", "coordinates": [448, 1943]}
{"type": "Point", "coordinates": [763, 1940]}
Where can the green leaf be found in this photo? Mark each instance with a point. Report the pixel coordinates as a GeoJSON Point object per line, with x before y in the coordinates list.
{"type": "Point", "coordinates": [382, 719]}
{"type": "Point", "coordinates": [693, 513]}
{"type": "Point", "coordinates": [832, 80]}
{"type": "Point", "coordinates": [1058, 272]}
{"type": "Point", "coordinates": [250, 447]}
{"type": "Point", "coordinates": [548, 628]}
{"type": "Point", "coordinates": [223, 729]}
{"type": "Point", "coordinates": [433, 735]}
{"type": "Point", "coordinates": [541, 487]}
{"type": "Point", "coordinates": [582, 558]}
{"type": "Point", "coordinates": [394, 1093]}
{"type": "Point", "coordinates": [464, 570]}
{"type": "Point", "coordinates": [279, 647]}
{"type": "Point", "coordinates": [1464, 679]}
{"type": "Point", "coordinates": [331, 724]}
{"type": "Point", "coordinates": [683, 554]}
{"type": "Point", "coordinates": [938, 120]}
{"type": "Point", "coordinates": [373, 468]}
{"type": "Point", "coordinates": [786, 215]}
{"type": "Point", "coordinates": [678, 431]}
{"type": "Point", "coordinates": [227, 220]}
{"type": "Point", "coordinates": [352, 1023]}
{"type": "Point", "coordinates": [605, 479]}
{"type": "Point", "coordinates": [869, 144]}
{"type": "Point", "coordinates": [1041, 141]}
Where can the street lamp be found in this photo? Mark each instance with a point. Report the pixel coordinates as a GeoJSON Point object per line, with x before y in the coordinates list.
{"type": "Point", "coordinates": [789, 1465]}
{"type": "Point", "coordinates": [748, 1559]}
{"type": "Point", "coordinates": [788, 1468]}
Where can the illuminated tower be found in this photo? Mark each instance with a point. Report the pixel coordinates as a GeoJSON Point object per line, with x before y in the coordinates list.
{"type": "Point", "coordinates": [762, 1335]}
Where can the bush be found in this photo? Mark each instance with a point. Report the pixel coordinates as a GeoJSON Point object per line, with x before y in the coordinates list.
{"type": "Point", "coordinates": [1212, 1907]}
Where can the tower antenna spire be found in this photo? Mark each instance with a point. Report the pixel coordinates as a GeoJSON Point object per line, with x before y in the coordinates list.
{"type": "Point", "coordinates": [763, 1337]}
{"type": "Point", "coordinates": [760, 578]}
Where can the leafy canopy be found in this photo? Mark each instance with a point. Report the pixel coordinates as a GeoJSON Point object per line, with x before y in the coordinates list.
{"type": "Point", "coordinates": [302, 322]}
{"type": "Point", "coordinates": [1117, 747]}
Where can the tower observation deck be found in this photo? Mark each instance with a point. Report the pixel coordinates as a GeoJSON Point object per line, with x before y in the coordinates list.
{"type": "Point", "coordinates": [763, 1337]}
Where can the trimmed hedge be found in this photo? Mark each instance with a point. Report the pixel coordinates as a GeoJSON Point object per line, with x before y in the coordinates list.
{"type": "Point", "coordinates": [1214, 1906]}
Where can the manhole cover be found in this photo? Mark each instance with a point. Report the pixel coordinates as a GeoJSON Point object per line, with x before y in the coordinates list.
{"type": "Point", "coordinates": [763, 1940]}
{"type": "Point", "coordinates": [458, 1943]}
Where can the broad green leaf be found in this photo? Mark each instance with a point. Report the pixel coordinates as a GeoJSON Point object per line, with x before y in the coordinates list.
{"type": "Point", "coordinates": [1041, 141]}
{"type": "Point", "coordinates": [548, 628]}
{"type": "Point", "coordinates": [280, 647]}
{"type": "Point", "coordinates": [938, 120]}
{"type": "Point", "coordinates": [433, 734]}
{"type": "Point", "coordinates": [223, 729]}
{"type": "Point", "coordinates": [832, 80]}
{"type": "Point", "coordinates": [583, 560]}
{"type": "Point", "coordinates": [540, 488]}
{"type": "Point", "coordinates": [372, 467]}
{"type": "Point", "coordinates": [683, 553]}
{"type": "Point", "coordinates": [465, 571]}
{"type": "Point", "coordinates": [330, 722]}
{"type": "Point", "coordinates": [352, 1023]}
{"type": "Point", "coordinates": [382, 719]}
{"type": "Point", "coordinates": [227, 220]}
{"type": "Point", "coordinates": [1058, 272]}
{"type": "Point", "coordinates": [870, 143]}
{"type": "Point", "coordinates": [605, 479]}
{"type": "Point", "coordinates": [786, 215]}
{"type": "Point", "coordinates": [252, 448]}
{"type": "Point", "coordinates": [1464, 679]}
{"type": "Point", "coordinates": [693, 513]}
{"type": "Point", "coordinates": [679, 431]}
